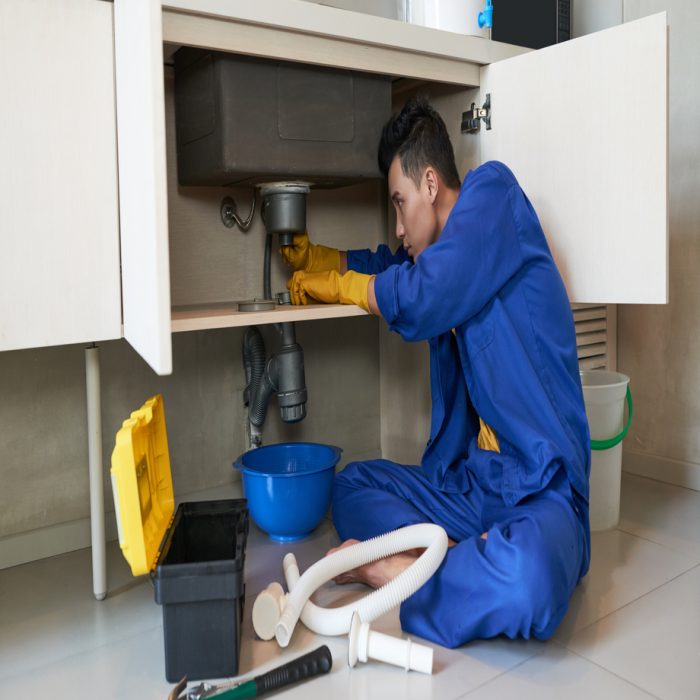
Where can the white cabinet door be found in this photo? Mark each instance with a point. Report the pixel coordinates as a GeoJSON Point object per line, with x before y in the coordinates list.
{"type": "Point", "coordinates": [59, 259]}
{"type": "Point", "coordinates": [583, 125]}
{"type": "Point", "coordinates": [143, 199]}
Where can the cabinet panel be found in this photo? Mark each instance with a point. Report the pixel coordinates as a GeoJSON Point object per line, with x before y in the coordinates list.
{"type": "Point", "coordinates": [583, 125]}
{"type": "Point", "coordinates": [143, 204]}
{"type": "Point", "coordinates": [59, 268]}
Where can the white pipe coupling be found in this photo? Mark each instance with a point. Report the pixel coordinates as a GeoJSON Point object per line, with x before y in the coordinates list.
{"type": "Point", "coordinates": [267, 610]}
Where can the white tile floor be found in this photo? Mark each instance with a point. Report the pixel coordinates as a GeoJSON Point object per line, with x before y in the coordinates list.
{"type": "Point", "coordinates": [633, 629]}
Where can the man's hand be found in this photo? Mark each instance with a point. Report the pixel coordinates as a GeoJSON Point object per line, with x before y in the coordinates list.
{"type": "Point", "coordinates": [330, 288]}
{"type": "Point", "coordinates": [304, 255]}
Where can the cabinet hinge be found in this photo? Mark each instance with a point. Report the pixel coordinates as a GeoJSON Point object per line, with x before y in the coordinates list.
{"type": "Point", "coordinates": [471, 120]}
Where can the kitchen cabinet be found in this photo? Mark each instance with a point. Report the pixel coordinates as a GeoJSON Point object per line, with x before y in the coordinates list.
{"type": "Point", "coordinates": [59, 267]}
{"type": "Point", "coordinates": [582, 124]}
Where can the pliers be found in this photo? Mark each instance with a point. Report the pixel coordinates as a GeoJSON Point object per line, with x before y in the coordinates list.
{"type": "Point", "coordinates": [198, 692]}
{"type": "Point", "coordinates": [309, 665]}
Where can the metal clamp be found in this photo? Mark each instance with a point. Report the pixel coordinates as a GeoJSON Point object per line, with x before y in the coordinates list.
{"type": "Point", "coordinates": [471, 120]}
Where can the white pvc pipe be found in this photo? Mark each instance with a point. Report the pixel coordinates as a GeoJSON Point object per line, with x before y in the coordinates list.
{"type": "Point", "coordinates": [336, 621]}
{"type": "Point", "coordinates": [97, 505]}
{"type": "Point", "coordinates": [365, 644]}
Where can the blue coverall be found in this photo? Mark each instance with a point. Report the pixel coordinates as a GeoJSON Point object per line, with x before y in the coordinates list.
{"type": "Point", "coordinates": [490, 300]}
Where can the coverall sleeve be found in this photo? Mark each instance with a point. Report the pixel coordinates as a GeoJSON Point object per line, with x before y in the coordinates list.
{"type": "Point", "coordinates": [476, 255]}
{"type": "Point", "coordinates": [372, 263]}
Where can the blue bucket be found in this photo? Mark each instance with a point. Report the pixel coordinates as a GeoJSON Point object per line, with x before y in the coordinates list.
{"type": "Point", "coordinates": [288, 486]}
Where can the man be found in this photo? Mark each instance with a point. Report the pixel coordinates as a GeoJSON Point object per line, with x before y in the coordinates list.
{"type": "Point", "coordinates": [505, 470]}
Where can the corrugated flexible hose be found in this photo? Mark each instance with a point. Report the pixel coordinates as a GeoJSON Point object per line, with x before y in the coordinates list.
{"type": "Point", "coordinates": [260, 388]}
{"type": "Point", "coordinates": [336, 621]}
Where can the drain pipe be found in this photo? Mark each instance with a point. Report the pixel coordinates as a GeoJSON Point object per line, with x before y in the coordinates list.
{"type": "Point", "coordinates": [254, 363]}
{"type": "Point", "coordinates": [283, 374]}
{"type": "Point", "coordinates": [283, 212]}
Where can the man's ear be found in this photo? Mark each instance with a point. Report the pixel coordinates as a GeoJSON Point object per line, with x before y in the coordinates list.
{"type": "Point", "coordinates": [432, 183]}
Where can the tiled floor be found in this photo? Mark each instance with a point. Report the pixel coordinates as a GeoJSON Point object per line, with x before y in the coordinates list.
{"type": "Point", "coordinates": [633, 629]}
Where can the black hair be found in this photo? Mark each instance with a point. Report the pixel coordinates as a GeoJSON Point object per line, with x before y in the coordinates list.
{"type": "Point", "coordinates": [419, 136]}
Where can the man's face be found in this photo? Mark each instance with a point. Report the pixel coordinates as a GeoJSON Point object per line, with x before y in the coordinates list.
{"type": "Point", "coordinates": [416, 218]}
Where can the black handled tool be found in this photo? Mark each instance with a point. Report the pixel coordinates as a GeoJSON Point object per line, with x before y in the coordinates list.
{"type": "Point", "coordinates": [314, 663]}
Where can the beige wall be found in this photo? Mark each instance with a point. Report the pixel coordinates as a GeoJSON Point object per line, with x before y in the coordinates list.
{"type": "Point", "coordinates": [43, 441]}
{"type": "Point", "coordinates": [593, 15]}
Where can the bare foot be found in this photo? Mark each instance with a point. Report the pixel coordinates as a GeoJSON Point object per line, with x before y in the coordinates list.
{"type": "Point", "coordinates": [377, 573]}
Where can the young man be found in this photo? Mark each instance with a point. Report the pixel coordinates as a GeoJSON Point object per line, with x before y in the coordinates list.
{"type": "Point", "coordinates": [505, 470]}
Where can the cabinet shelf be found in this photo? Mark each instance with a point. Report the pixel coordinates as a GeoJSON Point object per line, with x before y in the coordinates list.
{"type": "Point", "coordinates": [312, 33]}
{"type": "Point", "coordinates": [226, 315]}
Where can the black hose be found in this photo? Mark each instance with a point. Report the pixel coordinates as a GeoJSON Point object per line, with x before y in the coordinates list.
{"type": "Point", "coordinates": [253, 360]}
{"type": "Point", "coordinates": [260, 397]}
{"type": "Point", "coordinates": [260, 378]}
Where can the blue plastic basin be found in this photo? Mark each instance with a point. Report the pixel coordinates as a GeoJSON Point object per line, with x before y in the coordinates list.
{"type": "Point", "coordinates": [288, 486]}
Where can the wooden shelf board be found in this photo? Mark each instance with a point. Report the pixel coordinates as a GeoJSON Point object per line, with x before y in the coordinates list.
{"type": "Point", "coordinates": [226, 315]}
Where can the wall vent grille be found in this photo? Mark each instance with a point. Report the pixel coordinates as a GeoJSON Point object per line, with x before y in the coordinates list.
{"type": "Point", "coordinates": [595, 335]}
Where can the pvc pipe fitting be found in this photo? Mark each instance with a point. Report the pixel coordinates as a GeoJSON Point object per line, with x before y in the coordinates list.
{"type": "Point", "coordinates": [267, 610]}
{"type": "Point", "coordinates": [270, 602]}
{"type": "Point", "coordinates": [365, 644]}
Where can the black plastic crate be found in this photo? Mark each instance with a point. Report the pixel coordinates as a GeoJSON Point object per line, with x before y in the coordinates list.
{"type": "Point", "coordinates": [199, 582]}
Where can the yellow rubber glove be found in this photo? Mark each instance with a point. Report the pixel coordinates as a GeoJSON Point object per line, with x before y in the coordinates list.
{"type": "Point", "coordinates": [305, 255]}
{"type": "Point", "coordinates": [330, 288]}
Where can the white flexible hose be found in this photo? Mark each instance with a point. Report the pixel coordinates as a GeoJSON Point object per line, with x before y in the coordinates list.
{"type": "Point", "coordinates": [336, 621]}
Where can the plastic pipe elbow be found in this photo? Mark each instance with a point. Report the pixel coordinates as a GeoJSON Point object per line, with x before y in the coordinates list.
{"type": "Point", "coordinates": [270, 603]}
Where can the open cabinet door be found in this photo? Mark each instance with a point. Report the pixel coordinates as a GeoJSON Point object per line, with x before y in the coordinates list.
{"type": "Point", "coordinates": [143, 204]}
{"type": "Point", "coordinates": [583, 126]}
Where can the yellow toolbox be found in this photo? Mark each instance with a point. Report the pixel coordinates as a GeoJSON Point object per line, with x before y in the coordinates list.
{"type": "Point", "coordinates": [195, 556]}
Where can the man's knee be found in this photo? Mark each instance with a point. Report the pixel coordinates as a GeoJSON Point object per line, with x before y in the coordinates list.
{"type": "Point", "coordinates": [371, 498]}
{"type": "Point", "coordinates": [352, 478]}
{"type": "Point", "coordinates": [348, 485]}
{"type": "Point", "coordinates": [544, 566]}
{"type": "Point", "coordinates": [545, 591]}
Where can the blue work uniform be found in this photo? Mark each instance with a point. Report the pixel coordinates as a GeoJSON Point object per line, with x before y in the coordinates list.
{"type": "Point", "coordinates": [489, 299]}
